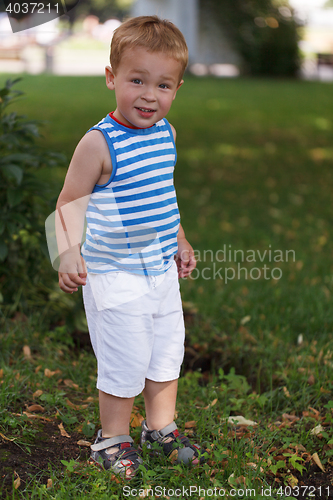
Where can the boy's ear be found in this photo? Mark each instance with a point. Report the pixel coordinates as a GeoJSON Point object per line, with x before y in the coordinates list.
{"type": "Point", "coordinates": [109, 76]}
{"type": "Point", "coordinates": [179, 85]}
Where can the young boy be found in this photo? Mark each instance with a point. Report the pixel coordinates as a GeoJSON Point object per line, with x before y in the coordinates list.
{"type": "Point", "coordinates": [121, 178]}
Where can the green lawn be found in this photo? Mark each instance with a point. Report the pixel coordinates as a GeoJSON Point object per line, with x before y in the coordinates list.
{"type": "Point", "coordinates": [254, 175]}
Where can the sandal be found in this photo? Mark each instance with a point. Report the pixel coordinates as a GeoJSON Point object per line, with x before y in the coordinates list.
{"type": "Point", "coordinates": [172, 444]}
{"type": "Point", "coordinates": [124, 462]}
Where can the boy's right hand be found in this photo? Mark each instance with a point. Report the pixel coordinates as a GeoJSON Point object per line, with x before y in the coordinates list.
{"type": "Point", "coordinates": [72, 273]}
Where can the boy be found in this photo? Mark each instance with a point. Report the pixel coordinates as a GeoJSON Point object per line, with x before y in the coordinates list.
{"type": "Point", "coordinates": [121, 178]}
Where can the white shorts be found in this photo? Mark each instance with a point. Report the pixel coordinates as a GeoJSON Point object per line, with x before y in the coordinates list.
{"type": "Point", "coordinates": [136, 327]}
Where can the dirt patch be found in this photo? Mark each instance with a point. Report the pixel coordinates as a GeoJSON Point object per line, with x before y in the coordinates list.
{"type": "Point", "coordinates": [50, 448]}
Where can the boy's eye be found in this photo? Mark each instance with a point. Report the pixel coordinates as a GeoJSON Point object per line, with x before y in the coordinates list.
{"type": "Point", "coordinates": [164, 86]}
{"type": "Point", "coordinates": [137, 81]}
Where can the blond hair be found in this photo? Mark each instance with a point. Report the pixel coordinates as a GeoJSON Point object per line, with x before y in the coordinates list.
{"type": "Point", "coordinates": [152, 33]}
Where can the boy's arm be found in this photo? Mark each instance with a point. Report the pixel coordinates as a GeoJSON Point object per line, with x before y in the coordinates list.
{"type": "Point", "coordinates": [185, 255]}
{"type": "Point", "coordinates": [85, 170]}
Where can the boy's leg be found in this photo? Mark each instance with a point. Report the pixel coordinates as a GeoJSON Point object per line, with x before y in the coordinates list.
{"type": "Point", "coordinates": [160, 401]}
{"type": "Point", "coordinates": [115, 414]}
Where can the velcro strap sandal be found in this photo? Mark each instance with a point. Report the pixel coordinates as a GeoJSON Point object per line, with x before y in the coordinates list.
{"type": "Point", "coordinates": [172, 444]}
{"type": "Point", "coordinates": [124, 462]}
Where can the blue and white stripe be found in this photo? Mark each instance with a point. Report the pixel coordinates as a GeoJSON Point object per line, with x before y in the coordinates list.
{"type": "Point", "coordinates": [133, 219]}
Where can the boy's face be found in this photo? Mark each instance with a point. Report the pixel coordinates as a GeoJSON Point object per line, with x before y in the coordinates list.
{"type": "Point", "coordinates": [145, 83]}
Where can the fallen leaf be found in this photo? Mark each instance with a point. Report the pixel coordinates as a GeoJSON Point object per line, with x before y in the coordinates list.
{"type": "Point", "coordinates": [136, 420]}
{"type": "Point", "coordinates": [17, 482]}
{"type": "Point", "coordinates": [48, 373]}
{"type": "Point", "coordinates": [37, 393]}
{"type": "Point", "coordinates": [190, 425]}
{"type": "Point", "coordinates": [38, 368]}
{"type": "Point", "coordinates": [211, 404]}
{"type": "Point", "coordinates": [286, 392]}
{"type": "Point", "coordinates": [1, 372]}
{"type": "Point", "coordinates": [240, 420]}
{"type": "Point", "coordinates": [49, 483]}
{"type": "Point", "coordinates": [317, 461]}
{"type": "Point", "coordinates": [6, 438]}
{"type": "Point", "coordinates": [82, 442]}
{"type": "Point", "coordinates": [292, 481]}
{"type": "Point", "coordinates": [90, 399]}
{"type": "Point", "coordinates": [290, 418]}
{"type": "Point", "coordinates": [254, 466]}
{"type": "Point", "coordinates": [26, 352]}
{"type": "Point", "coordinates": [36, 408]}
{"type": "Point", "coordinates": [70, 383]}
{"type": "Point", "coordinates": [232, 480]}
{"type": "Point", "coordinates": [317, 430]}
{"type": "Point", "coordinates": [311, 380]}
{"type": "Point", "coordinates": [32, 415]}
{"type": "Point", "coordinates": [76, 407]}
{"type": "Point", "coordinates": [245, 320]}
{"type": "Point", "coordinates": [316, 413]}
{"type": "Point", "coordinates": [173, 456]}
{"type": "Point", "coordinates": [62, 430]}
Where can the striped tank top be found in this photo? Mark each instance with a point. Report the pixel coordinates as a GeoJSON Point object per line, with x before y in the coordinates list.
{"type": "Point", "coordinates": [133, 219]}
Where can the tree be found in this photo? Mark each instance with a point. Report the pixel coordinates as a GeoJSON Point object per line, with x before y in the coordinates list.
{"type": "Point", "coordinates": [265, 34]}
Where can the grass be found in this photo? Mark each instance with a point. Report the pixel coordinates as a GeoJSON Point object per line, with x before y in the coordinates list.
{"type": "Point", "coordinates": [254, 176]}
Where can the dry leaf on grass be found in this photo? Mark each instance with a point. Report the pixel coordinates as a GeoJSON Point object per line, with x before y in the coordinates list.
{"type": "Point", "coordinates": [211, 404]}
{"type": "Point", "coordinates": [82, 442]}
{"type": "Point", "coordinates": [48, 373]}
{"type": "Point", "coordinates": [76, 407]}
{"type": "Point", "coordinates": [240, 420]}
{"type": "Point", "coordinates": [37, 393]}
{"type": "Point", "coordinates": [6, 438]}
{"type": "Point", "coordinates": [26, 352]}
{"type": "Point", "coordinates": [69, 383]}
{"type": "Point", "coordinates": [62, 431]}
{"type": "Point", "coordinates": [173, 456]}
{"type": "Point", "coordinates": [286, 392]}
{"type": "Point", "coordinates": [317, 430]}
{"type": "Point", "coordinates": [136, 420]}
{"type": "Point", "coordinates": [36, 408]}
{"type": "Point", "coordinates": [17, 482]}
{"type": "Point", "coordinates": [1, 373]}
{"type": "Point", "coordinates": [317, 461]}
{"type": "Point", "coordinates": [292, 481]}
{"type": "Point", "coordinates": [49, 483]}
{"type": "Point", "coordinates": [232, 480]}
{"type": "Point", "coordinates": [190, 425]}
{"type": "Point", "coordinates": [245, 320]}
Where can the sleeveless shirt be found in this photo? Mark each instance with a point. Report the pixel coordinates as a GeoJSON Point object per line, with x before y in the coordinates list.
{"type": "Point", "coordinates": [133, 219]}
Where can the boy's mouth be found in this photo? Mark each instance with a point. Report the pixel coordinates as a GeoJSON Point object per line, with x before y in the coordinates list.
{"type": "Point", "coordinates": [146, 110]}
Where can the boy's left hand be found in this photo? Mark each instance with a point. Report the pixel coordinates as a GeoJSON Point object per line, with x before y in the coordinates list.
{"type": "Point", "coordinates": [185, 258]}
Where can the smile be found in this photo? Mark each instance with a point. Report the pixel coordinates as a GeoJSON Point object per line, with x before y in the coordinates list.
{"type": "Point", "coordinates": [145, 110]}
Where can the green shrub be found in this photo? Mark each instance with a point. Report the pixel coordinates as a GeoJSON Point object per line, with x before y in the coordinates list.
{"type": "Point", "coordinates": [25, 203]}
{"type": "Point", "coordinates": [265, 33]}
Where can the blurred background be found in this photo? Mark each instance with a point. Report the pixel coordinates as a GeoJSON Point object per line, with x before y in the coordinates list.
{"type": "Point", "coordinates": [225, 38]}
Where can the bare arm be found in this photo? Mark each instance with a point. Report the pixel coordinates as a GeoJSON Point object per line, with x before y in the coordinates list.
{"type": "Point", "coordinates": [90, 162]}
{"type": "Point", "coordinates": [185, 255]}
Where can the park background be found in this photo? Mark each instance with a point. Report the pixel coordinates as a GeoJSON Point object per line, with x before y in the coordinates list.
{"type": "Point", "coordinates": [254, 175]}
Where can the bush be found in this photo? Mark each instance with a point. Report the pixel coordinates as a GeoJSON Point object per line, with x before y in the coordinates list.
{"type": "Point", "coordinates": [264, 33]}
{"type": "Point", "coordinates": [25, 203]}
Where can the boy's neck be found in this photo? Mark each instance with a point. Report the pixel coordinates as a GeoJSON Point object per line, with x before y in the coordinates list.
{"type": "Point", "coordinates": [123, 124]}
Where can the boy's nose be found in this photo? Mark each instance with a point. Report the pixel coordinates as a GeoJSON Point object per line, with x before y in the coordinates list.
{"type": "Point", "coordinates": [149, 95]}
